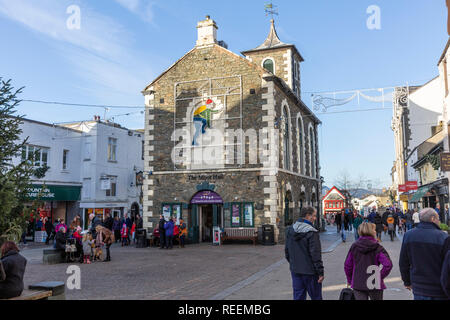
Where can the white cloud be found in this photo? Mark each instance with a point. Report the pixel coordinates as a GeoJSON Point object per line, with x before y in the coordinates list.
{"type": "Point", "coordinates": [141, 8]}
{"type": "Point", "coordinates": [100, 52]}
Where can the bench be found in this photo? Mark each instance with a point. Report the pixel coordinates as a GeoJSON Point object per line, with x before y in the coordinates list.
{"type": "Point", "coordinates": [31, 295]}
{"type": "Point", "coordinates": [56, 288]}
{"type": "Point", "coordinates": [241, 234]}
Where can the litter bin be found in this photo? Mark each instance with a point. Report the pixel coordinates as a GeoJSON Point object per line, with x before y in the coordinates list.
{"type": "Point", "coordinates": [141, 238]}
{"type": "Point", "coordinates": [268, 232]}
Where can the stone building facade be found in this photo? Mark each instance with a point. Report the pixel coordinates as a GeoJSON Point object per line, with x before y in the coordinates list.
{"type": "Point", "coordinates": [228, 141]}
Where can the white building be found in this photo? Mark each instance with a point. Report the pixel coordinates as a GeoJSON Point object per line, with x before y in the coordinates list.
{"type": "Point", "coordinates": [111, 162]}
{"type": "Point", "coordinates": [57, 148]}
{"type": "Point", "coordinates": [95, 167]}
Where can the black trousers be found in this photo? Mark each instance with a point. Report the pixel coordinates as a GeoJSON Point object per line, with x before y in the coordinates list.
{"type": "Point", "coordinates": [169, 242]}
{"type": "Point", "coordinates": [162, 239]}
{"type": "Point", "coordinates": [182, 239]}
{"type": "Point", "coordinates": [365, 295]}
{"type": "Point", "coordinates": [108, 253]}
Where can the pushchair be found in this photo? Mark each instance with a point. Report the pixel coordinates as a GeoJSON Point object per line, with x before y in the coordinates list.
{"type": "Point", "coordinates": [71, 249]}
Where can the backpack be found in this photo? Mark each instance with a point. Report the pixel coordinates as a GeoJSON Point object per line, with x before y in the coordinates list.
{"type": "Point", "coordinates": [391, 222]}
{"type": "Point", "coordinates": [347, 294]}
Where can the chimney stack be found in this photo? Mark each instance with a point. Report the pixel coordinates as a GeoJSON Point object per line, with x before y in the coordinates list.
{"type": "Point", "coordinates": [207, 32]}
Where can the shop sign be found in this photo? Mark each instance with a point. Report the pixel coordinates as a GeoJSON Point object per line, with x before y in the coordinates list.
{"type": "Point", "coordinates": [54, 193]}
{"type": "Point", "coordinates": [445, 162]}
{"type": "Point", "coordinates": [206, 197]}
{"type": "Point", "coordinates": [402, 188]}
{"type": "Point", "coordinates": [105, 184]}
{"type": "Point", "coordinates": [412, 186]}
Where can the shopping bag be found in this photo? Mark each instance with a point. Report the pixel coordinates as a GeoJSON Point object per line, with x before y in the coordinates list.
{"type": "Point", "coordinates": [347, 294]}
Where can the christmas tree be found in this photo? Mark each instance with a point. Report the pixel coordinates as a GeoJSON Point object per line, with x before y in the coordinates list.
{"type": "Point", "coordinates": [15, 172]}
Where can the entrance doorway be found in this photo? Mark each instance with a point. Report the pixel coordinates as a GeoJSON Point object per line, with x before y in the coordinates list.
{"type": "Point", "coordinates": [206, 212]}
{"type": "Point", "coordinates": [206, 221]}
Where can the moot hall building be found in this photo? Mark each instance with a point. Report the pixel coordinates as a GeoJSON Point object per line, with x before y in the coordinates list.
{"type": "Point", "coordinates": [228, 140]}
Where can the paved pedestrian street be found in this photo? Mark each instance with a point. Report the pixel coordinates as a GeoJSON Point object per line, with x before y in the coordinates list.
{"type": "Point", "coordinates": [276, 285]}
{"type": "Point", "coordinates": [203, 272]}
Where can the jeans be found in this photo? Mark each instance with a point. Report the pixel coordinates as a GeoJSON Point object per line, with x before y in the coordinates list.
{"type": "Point", "coordinates": [356, 236]}
{"type": "Point", "coordinates": [408, 226]}
{"type": "Point", "coordinates": [169, 242]}
{"type": "Point", "coordinates": [417, 297]}
{"type": "Point", "coordinates": [182, 240]}
{"type": "Point", "coordinates": [303, 284]}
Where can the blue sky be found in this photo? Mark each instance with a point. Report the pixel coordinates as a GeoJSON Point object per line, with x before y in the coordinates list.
{"type": "Point", "coordinates": [124, 44]}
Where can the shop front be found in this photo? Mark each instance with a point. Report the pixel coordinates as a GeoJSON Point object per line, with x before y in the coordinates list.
{"type": "Point", "coordinates": [101, 210]}
{"type": "Point", "coordinates": [207, 210]}
{"type": "Point", "coordinates": [57, 202]}
{"type": "Point", "coordinates": [431, 195]}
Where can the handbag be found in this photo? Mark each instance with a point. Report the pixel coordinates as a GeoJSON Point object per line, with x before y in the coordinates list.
{"type": "Point", "coordinates": [347, 294]}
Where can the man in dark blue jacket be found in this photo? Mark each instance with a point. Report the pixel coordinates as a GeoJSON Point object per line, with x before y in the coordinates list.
{"type": "Point", "coordinates": [304, 254]}
{"type": "Point", "coordinates": [421, 258]}
{"type": "Point", "coordinates": [445, 275]}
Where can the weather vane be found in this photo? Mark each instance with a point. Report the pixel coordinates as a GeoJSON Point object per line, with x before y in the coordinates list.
{"type": "Point", "coordinates": [271, 9]}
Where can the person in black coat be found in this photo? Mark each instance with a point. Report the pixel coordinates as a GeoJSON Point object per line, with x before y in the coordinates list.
{"type": "Point", "coordinates": [139, 222]}
{"type": "Point", "coordinates": [162, 231]}
{"type": "Point", "coordinates": [304, 254]}
{"type": "Point", "coordinates": [61, 239]}
{"type": "Point", "coordinates": [445, 274]}
{"type": "Point", "coordinates": [12, 270]}
{"type": "Point", "coordinates": [49, 228]}
{"type": "Point", "coordinates": [108, 224]}
{"type": "Point", "coordinates": [378, 220]}
{"type": "Point", "coordinates": [338, 221]}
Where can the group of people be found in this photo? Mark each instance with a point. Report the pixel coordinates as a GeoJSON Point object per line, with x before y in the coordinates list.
{"type": "Point", "coordinates": [168, 230]}
{"type": "Point", "coordinates": [424, 258]}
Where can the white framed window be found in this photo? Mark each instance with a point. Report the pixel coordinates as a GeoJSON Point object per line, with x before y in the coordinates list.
{"type": "Point", "coordinates": [65, 162]}
{"type": "Point", "coordinates": [286, 140]}
{"type": "Point", "coordinates": [269, 65]}
{"type": "Point", "coordinates": [312, 152]}
{"type": "Point", "coordinates": [300, 144]}
{"type": "Point", "coordinates": [112, 149]}
{"type": "Point", "coordinates": [37, 156]}
{"type": "Point", "coordinates": [112, 192]}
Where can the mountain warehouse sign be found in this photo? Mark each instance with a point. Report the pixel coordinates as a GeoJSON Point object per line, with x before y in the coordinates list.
{"type": "Point", "coordinates": [54, 193]}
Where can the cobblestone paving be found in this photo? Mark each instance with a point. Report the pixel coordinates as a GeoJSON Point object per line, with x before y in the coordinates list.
{"type": "Point", "coordinates": [197, 272]}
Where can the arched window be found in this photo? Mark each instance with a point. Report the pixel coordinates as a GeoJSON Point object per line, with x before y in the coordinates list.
{"type": "Point", "coordinates": [269, 65]}
{"type": "Point", "coordinates": [312, 152]}
{"type": "Point", "coordinates": [300, 145]}
{"type": "Point", "coordinates": [286, 149]}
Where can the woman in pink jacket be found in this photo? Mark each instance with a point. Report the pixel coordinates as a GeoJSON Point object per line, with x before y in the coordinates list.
{"type": "Point", "coordinates": [367, 265]}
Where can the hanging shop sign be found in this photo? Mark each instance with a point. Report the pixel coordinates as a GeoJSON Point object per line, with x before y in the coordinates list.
{"type": "Point", "coordinates": [402, 188]}
{"type": "Point", "coordinates": [445, 162]}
